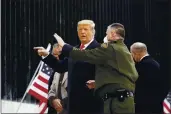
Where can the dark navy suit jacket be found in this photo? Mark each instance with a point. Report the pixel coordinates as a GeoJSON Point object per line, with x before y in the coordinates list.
{"type": "Point", "coordinates": [81, 99]}
{"type": "Point", "coordinates": [150, 87]}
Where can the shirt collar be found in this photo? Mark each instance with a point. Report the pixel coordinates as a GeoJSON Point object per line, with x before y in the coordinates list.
{"type": "Point", "coordinates": [144, 56]}
{"type": "Point", "coordinates": [86, 45]}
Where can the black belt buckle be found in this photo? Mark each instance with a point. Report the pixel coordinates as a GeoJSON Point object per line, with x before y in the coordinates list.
{"type": "Point", "coordinates": [108, 95]}
{"type": "Point", "coordinates": [122, 94]}
{"type": "Point", "coordinates": [105, 97]}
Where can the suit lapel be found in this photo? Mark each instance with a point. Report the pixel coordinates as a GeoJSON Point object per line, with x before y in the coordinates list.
{"type": "Point", "coordinates": [65, 77]}
{"type": "Point", "coordinates": [71, 62]}
{"type": "Point", "coordinates": [56, 79]}
{"type": "Point", "coordinates": [93, 44]}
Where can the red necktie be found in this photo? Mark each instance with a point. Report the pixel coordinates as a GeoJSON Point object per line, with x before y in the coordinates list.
{"type": "Point", "coordinates": [82, 46]}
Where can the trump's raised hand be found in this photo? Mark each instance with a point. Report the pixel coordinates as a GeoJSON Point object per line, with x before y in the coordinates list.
{"type": "Point", "coordinates": [59, 40]}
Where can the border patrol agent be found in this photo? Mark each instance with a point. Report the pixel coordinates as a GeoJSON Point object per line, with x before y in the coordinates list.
{"type": "Point", "coordinates": [115, 70]}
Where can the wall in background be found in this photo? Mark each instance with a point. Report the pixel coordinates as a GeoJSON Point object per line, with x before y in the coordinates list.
{"type": "Point", "coordinates": [29, 23]}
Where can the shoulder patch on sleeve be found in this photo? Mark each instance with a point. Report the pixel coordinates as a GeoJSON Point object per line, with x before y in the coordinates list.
{"type": "Point", "coordinates": [75, 48]}
{"type": "Point", "coordinates": [104, 45]}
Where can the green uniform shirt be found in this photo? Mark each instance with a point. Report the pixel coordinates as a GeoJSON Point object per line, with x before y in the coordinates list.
{"type": "Point", "coordinates": [114, 64]}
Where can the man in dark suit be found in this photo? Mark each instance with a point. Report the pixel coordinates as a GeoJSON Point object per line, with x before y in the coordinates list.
{"type": "Point", "coordinates": [81, 98]}
{"type": "Point", "coordinates": [150, 91]}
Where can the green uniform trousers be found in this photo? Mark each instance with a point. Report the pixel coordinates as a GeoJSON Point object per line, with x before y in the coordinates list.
{"type": "Point", "coordinates": [114, 106]}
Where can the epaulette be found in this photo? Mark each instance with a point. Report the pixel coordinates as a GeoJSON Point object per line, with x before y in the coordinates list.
{"type": "Point", "coordinates": [104, 45]}
{"type": "Point", "coordinates": [75, 48]}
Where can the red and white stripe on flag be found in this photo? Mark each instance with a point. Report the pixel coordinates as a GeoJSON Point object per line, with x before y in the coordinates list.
{"type": "Point", "coordinates": [166, 107]}
{"type": "Point", "coordinates": [42, 107]}
{"type": "Point", "coordinates": [39, 87]}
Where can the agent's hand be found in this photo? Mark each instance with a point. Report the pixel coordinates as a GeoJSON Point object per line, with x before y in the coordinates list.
{"type": "Point", "coordinates": [57, 105]}
{"type": "Point", "coordinates": [41, 51]}
{"type": "Point", "coordinates": [90, 84]}
{"type": "Point", "coordinates": [59, 40]}
{"type": "Point", "coordinates": [105, 40]}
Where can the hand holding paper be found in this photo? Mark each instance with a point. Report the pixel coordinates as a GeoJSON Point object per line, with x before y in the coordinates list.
{"type": "Point", "coordinates": [105, 40]}
{"type": "Point", "coordinates": [59, 40]}
{"type": "Point", "coordinates": [41, 51]}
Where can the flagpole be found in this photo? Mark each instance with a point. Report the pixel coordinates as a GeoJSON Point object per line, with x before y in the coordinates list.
{"type": "Point", "coordinates": [29, 85]}
{"type": "Point", "coordinates": [40, 63]}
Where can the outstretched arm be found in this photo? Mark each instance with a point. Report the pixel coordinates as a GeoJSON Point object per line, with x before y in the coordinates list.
{"type": "Point", "coordinates": [95, 56]}
{"type": "Point", "coordinates": [58, 65]}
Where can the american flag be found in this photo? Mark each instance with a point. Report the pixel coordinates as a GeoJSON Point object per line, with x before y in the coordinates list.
{"type": "Point", "coordinates": [166, 104]}
{"type": "Point", "coordinates": [39, 87]}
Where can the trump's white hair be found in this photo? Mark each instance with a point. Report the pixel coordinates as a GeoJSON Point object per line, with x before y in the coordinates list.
{"type": "Point", "coordinates": [89, 22]}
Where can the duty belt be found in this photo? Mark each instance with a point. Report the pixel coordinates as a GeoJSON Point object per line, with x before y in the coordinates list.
{"type": "Point", "coordinates": [121, 94]}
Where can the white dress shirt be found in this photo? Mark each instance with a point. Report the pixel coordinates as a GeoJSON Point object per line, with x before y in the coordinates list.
{"type": "Point", "coordinates": [144, 56]}
{"type": "Point", "coordinates": [86, 45]}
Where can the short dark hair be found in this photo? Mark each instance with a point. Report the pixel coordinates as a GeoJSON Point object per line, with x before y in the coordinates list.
{"type": "Point", "coordinates": [120, 30]}
{"type": "Point", "coordinates": [55, 45]}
